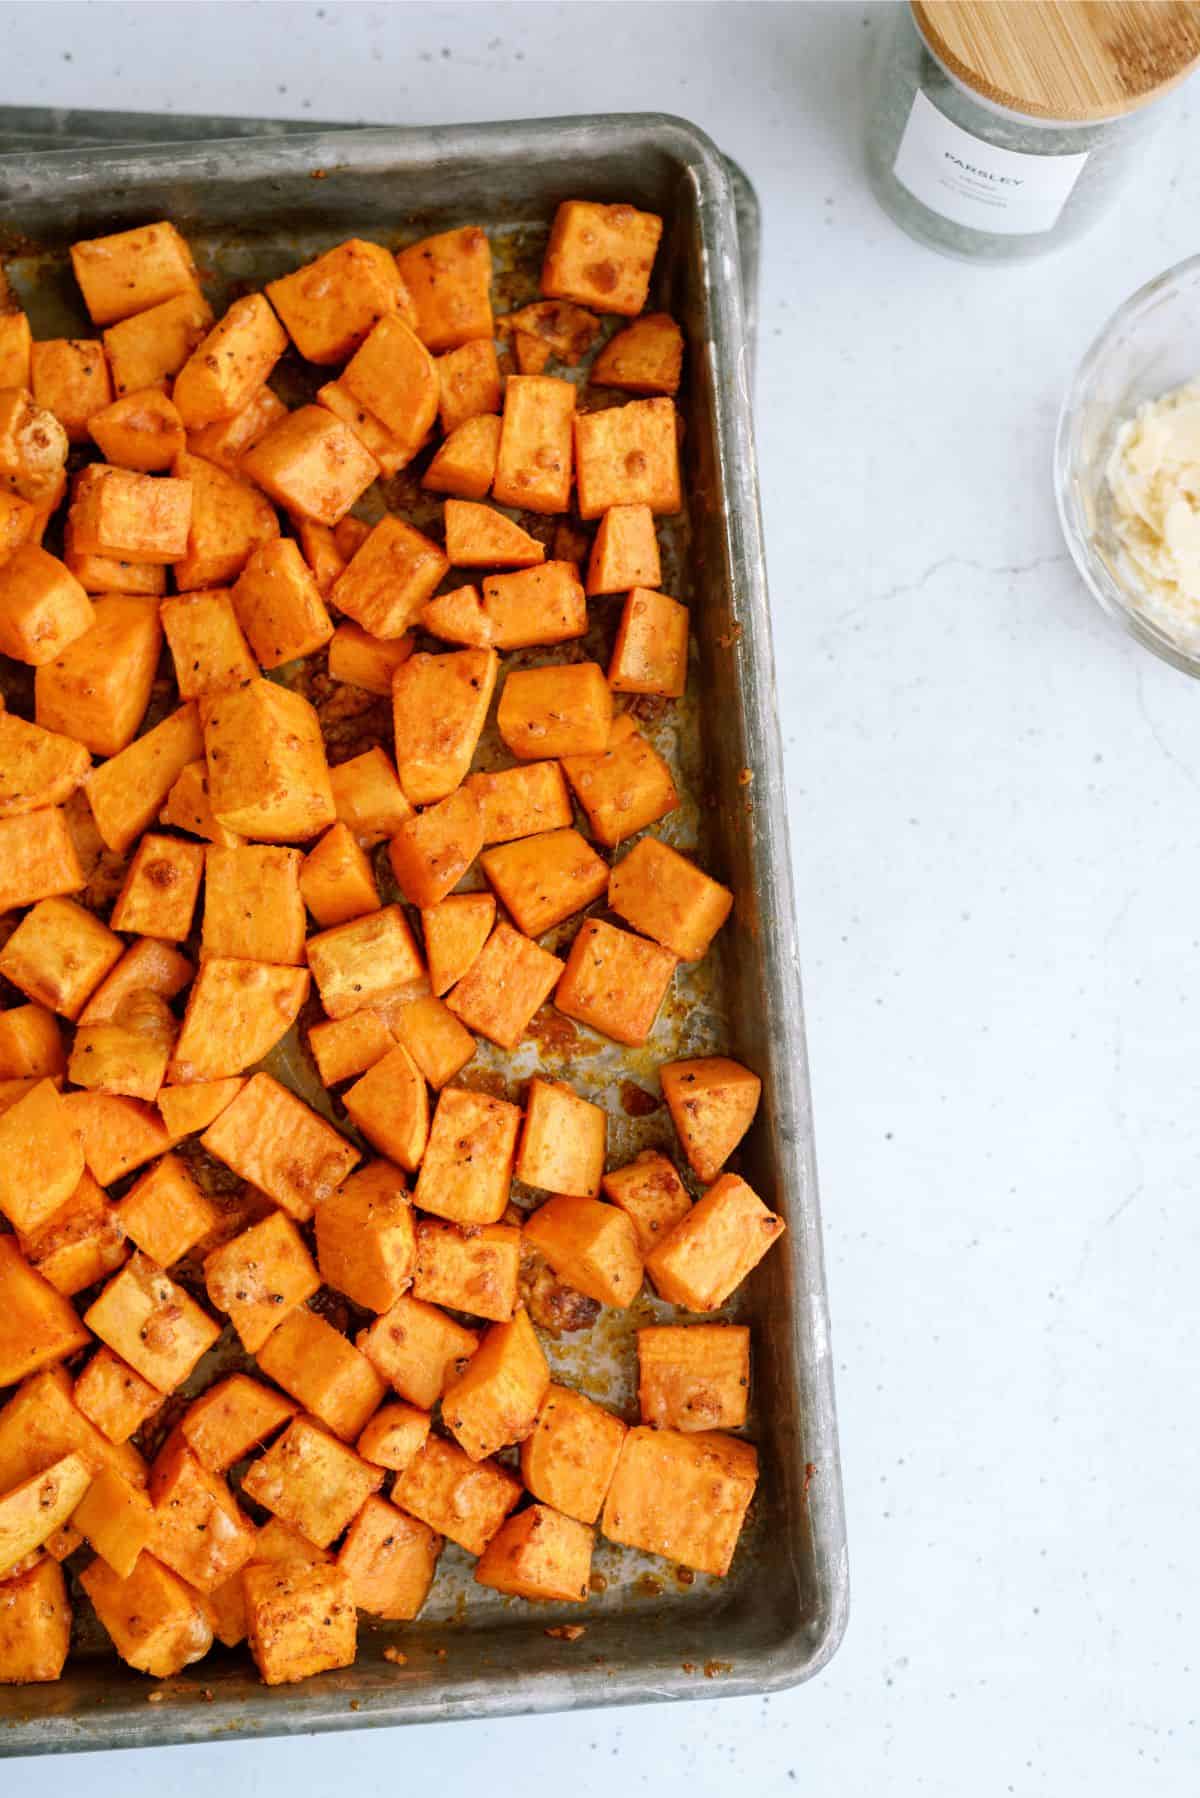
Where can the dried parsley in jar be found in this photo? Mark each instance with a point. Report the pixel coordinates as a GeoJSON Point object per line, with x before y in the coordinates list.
{"type": "Point", "coordinates": [1002, 129]}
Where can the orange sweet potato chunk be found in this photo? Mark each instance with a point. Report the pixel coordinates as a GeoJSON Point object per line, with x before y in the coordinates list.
{"type": "Point", "coordinates": [331, 304]}
{"type": "Point", "coordinates": [522, 801]}
{"type": "Point", "coordinates": [127, 791]}
{"type": "Point", "coordinates": [465, 464]}
{"type": "Point", "coordinates": [563, 1140]}
{"type": "Point", "coordinates": [259, 1276]}
{"type": "Point", "coordinates": [495, 1400]}
{"type": "Point", "coordinates": [464, 1500]}
{"type": "Point", "coordinates": [542, 880]}
{"type": "Point", "coordinates": [336, 881]}
{"type": "Point", "coordinates": [31, 1044]}
{"type": "Point", "coordinates": [535, 460]}
{"type": "Point", "coordinates": [569, 1457]}
{"type": "Point", "coordinates": [59, 953]}
{"type": "Point", "coordinates": [278, 603]}
{"type": "Point", "coordinates": [650, 1191]}
{"type": "Point", "coordinates": [467, 1170]}
{"type": "Point", "coordinates": [694, 1376]}
{"type": "Point", "coordinates": [433, 1036]}
{"type": "Point", "coordinates": [710, 1252]}
{"type": "Point", "coordinates": [391, 1560]}
{"type": "Point", "coordinates": [468, 383]}
{"type": "Point", "coordinates": [43, 608]}
{"type": "Point", "coordinates": [228, 440]}
{"type": "Point", "coordinates": [97, 690]}
{"type": "Point", "coordinates": [389, 578]}
{"type": "Point", "coordinates": [152, 1324]}
{"type": "Point", "coordinates": [366, 1245]}
{"type": "Point", "coordinates": [70, 378]}
{"type": "Point", "coordinates": [432, 850]}
{"type": "Point", "coordinates": [449, 279]}
{"type": "Point", "coordinates": [38, 859]}
{"type": "Point", "coordinates": [129, 271]}
{"type": "Point", "coordinates": [475, 1270]}
{"type": "Point", "coordinates": [623, 788]}
{"type": "Point", "coordinates": [590, 1245]}
{"type": "Point", "coordinates": [535, 606]}
{"type": "Point", "coordinates": [650, 653]}
{"type": "Point", "coordinates": [312, 463]}
{"type": "Point", "coordinates": [230, 518]}
{"type": "Point", "coordinates": [159, 893]}
{"type": "Point", "coordinates": [712, 1102]}
{"type": "Point", "coordinates": [366, 962]}
{"type": "Point", "coordinates": [458, 617]}
{"type": "Point", "coordinates": [539, 1554]}
{"type": "Point", "coordinates": [236, 1012]}
{"type": "Point", "coordinates": [273, 1139]}
{"type": "Point", "coordinates": [681, 1495]}
{"type": "Point", "coordinates": [232, 1418]}
{"type": "Point", "coordinates": [149, 348]}
{"type": "Point", "coordinates": [38, 1326]}
{"type": "Point", "coordinates": [157, 1623]}
{"type": "Point", "coordinates": [555, 711]}
{"type": "Point", "coordinates": [142, 431]}
{"type": "Point", "coordinates": [615, 982]}
{"type": "Point", "coordinates": [206, 642]}
{"type": "Point", "coordinates": [504, 986]}
{"type": "Point", "coordinates": [147, 966]}
{"type": "Point", "coordinates": [628, 456]}
{"type": "Point", "coordinates": [480, 537]}
{"type": "Point", "coordinates": [231, 364]}
{"type": "Point", "coordinates": [455, 931]}
{"type": "Point", "coordinates": [390, 1105]}
{"type": "Point", "coordinates": [418, 1349]}
{"type": "Point", "coordinates": [267, 773]}
{"type": "Point", "coordinates": [645, 358]}
{"type": "Point", "coordinates": [624, 552]}
{"type": "Point", "coordinates": [667, 897]}
{"type": "Point", "coordinates": [439, 707]}
{"type": "Point", "coordinates": [35, 1624]}
{"type": "Point", "coordinates": [299, 1620]}
{"type": "Point", "coordinates": [601, 256]}
{"type": "Point", "coordinates": [326, 1374]}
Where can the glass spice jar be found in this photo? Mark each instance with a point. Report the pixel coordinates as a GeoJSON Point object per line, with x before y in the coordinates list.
{"type": "Point", "coordinates": [1002, 129]}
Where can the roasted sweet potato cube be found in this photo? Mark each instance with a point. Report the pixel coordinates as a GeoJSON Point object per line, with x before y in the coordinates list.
{"type": "Point", "coordinates": [142, 431]}
{"type": "Point", "coordinates": [458, 617]}
{"type": "Point", "coordinates": [299, 1620]}
{"type": "Point", "coordinates": [336, 881]}
{"type": "Point", "coordinates": [259, 1277]}
{"type": "Point", "coordinates": [236, 1012]}
{"type": "Point", "coordinates": [267, 773]}
{"type": "Point", "coordinates": [362, 660]}
{"type": "Point", "coordinates": [569, 1456]}
{"type": "Point", "coordinates": [58, 954]}
{"type": "Point", "coordinates": [615, 982]}
{"type": "Point", "coordinates": [455, 931]}
{"type": "Point", "coordinates": [624, 552]}
{"type": "Point", "coordinates": [158, 896]}
{"type": "Point", "coordinates": [130, 271]}
{"type": "Point", "coordinates": [562, 1140]}
{"type": "Point", "coordinates": [150, 348]}
{"type": "Point", "coordinates": [35, 1625]}
{"type": "Point", "coordinates": [165, 1213]}
{"type": "Point", "coordinates": [432, 850]}
{"type": "Point", "coordinates": [369, 797]}
{"type": "Point", "coordinates": [439, 705]}
{"type": "Point", "coordinates": [365, 962]}
{"type": "Point", "coordinates": [694, 1377]}
{"type": "Point", "coordinates": [681, 1495]}
{"type": "Point", "coordinates": [645, 357]}
{"type": "Point", "coordinates": [390, 1105]}
{"type": "Point", "coordinates": [667, 897]}
{"type": "Point", "coordinates": [389, 452]}
{"type": "Point", "coordinates": [366, 1245]}
{"type": "Point", "coordinates": [18, 521]}
{"type": "Point", "coordinates": [593, 1247]}
{"type": "Point", "coordinates": [433, 1036]}
{"type": "Point", "coordinates": [228, 367]}
{"type": "Point", "coordinates": [542, 880]}
{"type": "Point", "coordinates": [230, 518]}
{"type": "Point", "coordinates": [389, 579]}
{"type": "Point", "coordinates": [505, 984]}
{"type": "Point", "coordinates": [346, 1047]}
{"type": "Point", "coordinates": [136, 517]}
{"type": "Point", "coordinates": [312, 1481]}
{"type": "Point", "coordinates": [535, 606]}
{"type": "Point", "coordinates": [322, 557]}
{"type": "Point", "coordinates": [555, 711]}
{"type": "Point", "coordinates": [43, 608]}
{"type": "Point", "coordinates": [464, 1500]}
{"type": "Point", "coordinates": [206, 642]}
{"type": "Point", "coordinates": [253, 909]}
{"type": "Point", "coordinates": [539, 1554]}
{"type": "Point", "coordinates": [480, 537]}
{"type": "Point", "coordinates": [628, 456]}
{"type": "Point", "coordinates": [70, 378]}
{"type": "Point", "coordinates": [147, 966]}
{"type": "Point", "coordinates": [16, 342]}
{"type": "Point", "coordinates": [199, 1529]}
{"type": "Point", "coordinates": [391, 1560]}
{"type": "Point", "coordinates": [349, 535]}
{"type": "Point", "coordinates": [601, 256]}
{"type": "Point", "coordinates": [31, 1044]}
{"type": "Point", "coordinates": [712, 1103]}
{"type": "Point", "coordinates": [156, 1621]}
{"type": "Point", "coordinates": [330, 1378]}
{"type": "Point", "coordinates": [41, 1423]}
{"type": "Point", "coordinates": [495, 1400]}
{"type": "Point", "coordinates": [33, 451]}
{"type": "Point", "coordinates": [653, 1195]}
{"type": "Point", "coordinates": [465, 464]}
{"type": "Point", "coordinates": [38, 1325]}
{"type": "Point", "coordinates": [188, 807]}
{"type": "Point", "coordinates": [623, 789]}
{"type": "Point", "coordinates": [127, 792]}
{"type": "Point", "coordinates": [152, 1323]}
{"type": "Point", "coordinates": [711, 1251]}
{"type": "Point", "coordinates": [449, 279]}
{"type": "Point", "coordinates": [650, 653]}
{"type": "Point", "coordinates": [79, 1243]}
{"type": "Point", "coordinates": [468, 383]}
{"type": "Point", "coordinates": [467, 1170]}
{"type": "Point", "coordinates": [534, 461]}
{"type": "Point", "coordinates": [279, 605]}
{"type": "Point", "coordinates": [119, 1134]}
{"type": "Point", "coordinates": [96, 690]}
{"type": "Point", "coordinates": [38, 860]}
{"type": "Point", "coordinates": [273, 1139]}
{"type": "Point", "coordinates": [117, 1519]}
{"type": "Point", "coordinates": [418, 1349]}
{"type": "Point", "coordinates": [313, 464]}
{"type": "Point", "coordinates": [472, 1270]}
{"type": "Point", "coordinates": [125, 1057]}
{"type": "Point", "coordinates": [232, 1418]}
{"type": "Point", "coordinates": [565, 331]}
{"type": "Point", "coordinates": [227, 441]}
{"type": "Point", "coordinates": [394, 376]}
{"type": "Point", "coordinates": [522, 801]}
{"type": "Point", "coordinates": [332, 303]}
{"type": "Point", "coordinates": [394, 1435]}
{"type": "Point", "coordinates": [109, 574]}
{"type": "Point", "coordinates": [533, 353]}
{"type": "Point", "coordinates": [187, 1110]}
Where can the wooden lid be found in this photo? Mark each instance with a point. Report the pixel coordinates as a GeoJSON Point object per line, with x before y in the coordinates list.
{"type": "Point", "coordinates": [1064, 59]}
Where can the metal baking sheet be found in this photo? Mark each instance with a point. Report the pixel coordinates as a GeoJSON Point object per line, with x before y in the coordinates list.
{"type": "Point", "coordinates": [253, 208]}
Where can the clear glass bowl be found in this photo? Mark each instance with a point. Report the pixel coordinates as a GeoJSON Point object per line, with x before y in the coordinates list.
{"type": "Point", "coordinates": [1149, 346]}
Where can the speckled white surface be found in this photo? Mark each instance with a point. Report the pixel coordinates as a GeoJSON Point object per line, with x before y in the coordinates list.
{"type": "Point", "coordinates": [996, 812]}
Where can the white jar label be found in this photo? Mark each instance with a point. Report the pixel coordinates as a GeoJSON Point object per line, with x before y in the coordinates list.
{"type": "Point", "coordinates": [1005, 192]}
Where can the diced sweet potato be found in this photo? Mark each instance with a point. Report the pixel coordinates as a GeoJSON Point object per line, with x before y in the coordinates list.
{"type": "Point", "coordinates": [562, 1141]}
{"type": "Point", "coordinates": [349, 535]}
{"type": "Point", "coordinates": [646, 357]}
{"type": "Point", "coordinates": [712, 1103]}
{"type": "Point", "coordinates": [267, 773]}
{"type": "Point", "coordinates": [389, 452]}
{"type": "Point", "coordinates": [439, 705]}
{"type": "Point", "coordinates": [336, 882]}
{"type": "Point", "coordinates": [142, 431]}
{"type": "Point", "coordinates": [495, 1400]}
{"type": "Point", "coordinates": [457, 617]}
{"type": "Point", "coordinates": [148, 349]}
{"type": "Point", "coordinates": [628, 456]}
{"type": "Point", "coordinates": [41, 1422]}
{"type": "Point", "coordinates": [522, 801]}
{"type": "Point", "coordinates": [199, 1529]}
{"type": "Point", "coordinates": [418, 1349]}
{"type": "Point", "coordinates": [667, 897]}
{"type": "Point", "coordinates": [624, 552]}
{"type": "Point", "coordinates": [535, 606]}
{"type": "Point", "coordinates": [694, 1377]}
{"type": "Point", "coordinates": [365, 962]}
{"type": "Point", "coordinates": [127, 791]}
{"type": "Point", "coordinates": [38, 1326]}
{"type": "Point", "coordinates": [534, 461]}
{"type": "Point", "coordinates": [109, 574]}
{"type": "Point", "coordinates": [117, 1519]}
{"type": "Point", "coordinates": [31, 1044]}
{"type": "Point", "coordinates": [279, 605]}
{"type": "Point", "coordinates": [311, 1480]}
{"type": "Point", "coordinates": [449, 278]}
{"type": "Point", "coordinates": [35, 1625]}
{"type": "Point", "coordinates": [542, 880]}
{"type": "Point", "coordinates": [157, 1623]}
{"type": "Point", "coordinates": [18, 520]}
{"type": "Point", "coordinates": [120, 1058]}
{"type": "Point", "coordinates": [601, 256]}
{"type": "Point", "coordinates": [455, 931]}
{"type": "Point", "coordinates": [533, 353]}
{"type": "Point", "coordinates": [130, 271]}
{"type": "Point", "coordinates": [228, 367]}
{"type": "Point", "coordinates": [467, 1170]}
{"type": "Point", "coordinates": [432, 850]}
{"type": "Point", "coordinates": [253, 909]}
{"type": "Point", "coordinates": [622, 789]}
{"type": "Point", "coordinates": [615, 982]}
{"type": "Point", "coordinates": [366, 1245]}
{"type": "Point", "coordinates": [206, 642]}
{"type": "Point", "coordinates": [261, 1275]}
{"type": "Point", "coordinates": [332, 303]}
{"type": "Point", "coordinates": [480, 537]}
{"type": "Point", "coordinates": [653, 1195]}
{"type": "Point", "coordinates": [16, 342]}
{"type": "Point", "coordinates": [228, 440]}
{"type": "Point", "coordinates": [159, 893]}
{"type": "Point", "coordinates": [433, 1036]}
{"type": "Point", "coordinates": [711, 1251]}
{"type": "Point", "coordinates": [230, 518]}
{"type": "Point", "coordinates": [369, 797]}
{"type": "Point", "coordinates": [147, 966]}
{"type": "Point", "coordinates": [569, 1456]}
{"type": "Point", "coordinates": [472, 1270]}
{"type": "Point", "coordinates": [568, 332]}
{"type": "Point", "coordinates": [329, 1377]}
{"type": "Point", "coordinates": [236, 1012]}
{"type": "Point", "coordinates": [395, 378]}
{"type": "Point", "coordinates": [59, 953]}
{"type": "Point", "coordinates": [97, 690]}
{"type": "Point", "coordinates": [299, 1620]}
{"type": "Point", "coordinates": [33, 451]}
{"type": "Point", "coordinates": [464, 1500]}
{"type": "Point", "coordinates": [650, 653]}
{"type": "Point", "coordinates": [186, 1110]}
{"type": "Point", "coordinates": [539, 1554]}
{"type": "Point", "coordinates": [465, 464]}
{"type": "Point", "coordinates": [313, 464]}
{"type": "Point", "coordinates": [361, 660]}
{"type": "Point", "coordinates": [70, 378]}
{"type": "Point", "coordinates": [152, 1324]}
{"type": "Point", "coordinates": [390, 1105]}
{"type": "Point", "coordinates": [389, 579]}
{"type": "Point", "coordinates": [682, 1495]}
{"type": "Point", "coordinates": [43, 608]}
{"type": "Point", "coordinates": [503, 987]}
{"type": "Point", "coordinates": [118, 1134]}
{"type": "Point", "coordinates": [272, 1138]}
{"type": "Point", "coordinates": [137, 517]}
{"type": "Point", "coordinates": [394, 1435]}
{"type": "Point", "coordinates": [322, 557]}
{"type": "Point", "coordinates": [555, 711]}
{"type": "Point", "coordinates": [391, 1560]}
{"type": "Point", "coordinates": [345, 1047]}
{"type": "Point", "coordinates": [188, 807]}
{"type": "Point", "coordinates": [232, 1418]}
{"type": "Point", "coordinates": [165, 1213]}
{"type": "Point", "coordinates": [468, 383]}
{"type": "Point", "coordinates": [591, 1246]}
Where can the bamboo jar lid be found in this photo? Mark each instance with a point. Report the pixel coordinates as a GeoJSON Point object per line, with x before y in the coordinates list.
{"type": "Point", "coordinates": [1064, 59]}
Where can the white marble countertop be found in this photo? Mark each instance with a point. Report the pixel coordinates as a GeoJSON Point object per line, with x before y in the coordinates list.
{"type": "Point", "coordinates": [994, 796]}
